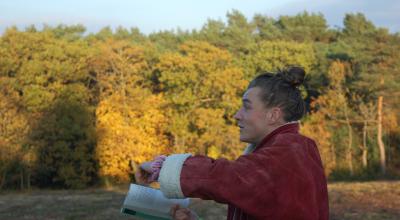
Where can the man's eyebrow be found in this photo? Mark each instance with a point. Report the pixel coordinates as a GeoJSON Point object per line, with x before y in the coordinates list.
{"type": "Point", "coordinates": [246, 100]}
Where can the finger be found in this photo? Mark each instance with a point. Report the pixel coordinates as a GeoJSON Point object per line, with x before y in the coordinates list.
{"type": "Point", "coordinates": [160, 157]}
{"type": "Point", "coordinates": [146, 166]}
{"type": "Point", "coordinates": [173, 210]}
{"type": "Point", "coordinates": [142, 177]}
{"type": "Point", "coordinates": [139, 177]}
{"type": "Point", "coordinates": [183, 214]}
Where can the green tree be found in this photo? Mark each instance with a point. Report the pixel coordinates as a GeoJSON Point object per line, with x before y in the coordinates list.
{"type": "Point", "coordinates": [15, 158]}
{"type": "Point", "coordinates": [305, 27]}
{"type": "Point", "coordinates": [49, 75]}
{"type": "Point", "coordinates": [65, 140]}
{"type": "Point", "coordinates": [266, 28]}
{"type": "Point", "coordinates": [272, 55]}
{"type": "Point", "coordinates": [194, 81]}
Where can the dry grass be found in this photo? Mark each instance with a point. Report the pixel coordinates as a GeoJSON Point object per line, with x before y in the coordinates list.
{"type": "Point", "coordinates": [353, 201]}
{"type": "Point", "coordinates": [368, 200]}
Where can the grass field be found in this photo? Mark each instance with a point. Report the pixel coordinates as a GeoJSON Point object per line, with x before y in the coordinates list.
{"type": "Point", "coordinates": [353, 201]}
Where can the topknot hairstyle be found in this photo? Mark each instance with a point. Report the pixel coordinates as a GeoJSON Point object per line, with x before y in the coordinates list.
{"type": "Point", "coordinates": [281, 89]}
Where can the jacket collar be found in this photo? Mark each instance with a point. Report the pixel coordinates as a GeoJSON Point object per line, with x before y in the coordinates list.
{"type": "Point", "coordinates": [290, 127]}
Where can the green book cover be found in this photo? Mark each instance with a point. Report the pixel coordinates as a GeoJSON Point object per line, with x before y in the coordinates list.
{"type": "Point", "coordinates": [141, 215]}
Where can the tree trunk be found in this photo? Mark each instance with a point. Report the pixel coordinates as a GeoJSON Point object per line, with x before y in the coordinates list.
{"type": "Point", "coordinates": [333, 153]}
{"type": "Point", "coordinates": [28, 181]}
{"type": "Point", "coordinates": [349, 153]}
{"type": "Point", "coordinates": [3, 180]}
{"type": "Point", "coordinates": [22, 179]}
{"type": "Point", "coordinates": [379, 137]}
{"type": "Point", "coordinates": [206, 149]}
{"type": "Point", "coordinates": [179, 144]}
{"type": "Point", "coordinates": [364, 147]}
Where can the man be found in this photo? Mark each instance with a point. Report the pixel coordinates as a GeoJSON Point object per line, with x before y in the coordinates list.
{"type": "Point", "coordinates": [280, 175]}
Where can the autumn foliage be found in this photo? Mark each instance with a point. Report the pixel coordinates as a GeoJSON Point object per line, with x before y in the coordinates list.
{"type": "Point", "coordinates": [80, 109]}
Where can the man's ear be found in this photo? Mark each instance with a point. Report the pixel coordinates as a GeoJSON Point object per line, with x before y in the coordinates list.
{"type": "Point", "coordinates": [275, 115]}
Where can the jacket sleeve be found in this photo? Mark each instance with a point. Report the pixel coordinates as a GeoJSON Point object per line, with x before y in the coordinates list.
{"type": "Point", "coordinates": [252, 182]}
{"type": "Point", "coordinates": [258, 183]}
{"type": "Point", "coordinates": [223, 180]}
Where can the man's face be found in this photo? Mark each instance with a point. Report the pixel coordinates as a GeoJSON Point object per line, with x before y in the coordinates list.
{"type": "Point", "coordinates": [253, 118]}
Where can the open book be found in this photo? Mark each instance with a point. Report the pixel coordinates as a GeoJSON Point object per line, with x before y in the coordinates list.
{"type": "Point", "coordinates": [148, 203]}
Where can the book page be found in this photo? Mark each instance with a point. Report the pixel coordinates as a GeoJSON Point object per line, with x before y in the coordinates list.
{"type": "Point", "coordinates": [152, 201]}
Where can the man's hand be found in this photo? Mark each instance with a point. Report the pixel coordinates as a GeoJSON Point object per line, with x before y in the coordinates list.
{"type": "Point", "coordinates": [179, 213]}
{"type": "Point", "coordinates": [143, 174]}
{"type": "Point", "coordinates": [148, 172]}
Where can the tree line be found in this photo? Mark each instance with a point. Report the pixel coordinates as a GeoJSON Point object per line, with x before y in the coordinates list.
{"type": "Point", "coordinates": [80, 109]}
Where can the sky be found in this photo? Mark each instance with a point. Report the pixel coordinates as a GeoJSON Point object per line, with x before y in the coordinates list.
{"type": "Point", "coordinates": [156, 15]}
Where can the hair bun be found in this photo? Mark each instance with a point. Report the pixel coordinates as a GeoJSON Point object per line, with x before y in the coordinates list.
{"type": "Point", "coordinates": [294, 75]}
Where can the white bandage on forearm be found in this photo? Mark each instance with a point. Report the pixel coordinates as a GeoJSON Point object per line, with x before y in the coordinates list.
{"type": "Point", "coordinates": [170, 175]}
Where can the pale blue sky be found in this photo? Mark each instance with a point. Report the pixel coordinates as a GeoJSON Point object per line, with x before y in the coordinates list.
{"type": "Point", "coordinates": [155, 15]}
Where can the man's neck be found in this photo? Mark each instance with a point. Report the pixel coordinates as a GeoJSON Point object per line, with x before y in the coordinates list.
{"type": "Point", "coordinates": [273, 129]}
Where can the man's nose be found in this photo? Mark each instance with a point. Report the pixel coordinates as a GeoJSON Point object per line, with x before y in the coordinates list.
{"type": "Point", "coordinates": [237, 115]}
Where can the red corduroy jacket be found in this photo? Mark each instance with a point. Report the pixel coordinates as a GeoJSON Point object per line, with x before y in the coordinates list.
{"type": "Point", "coordinates": [282, 179]}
